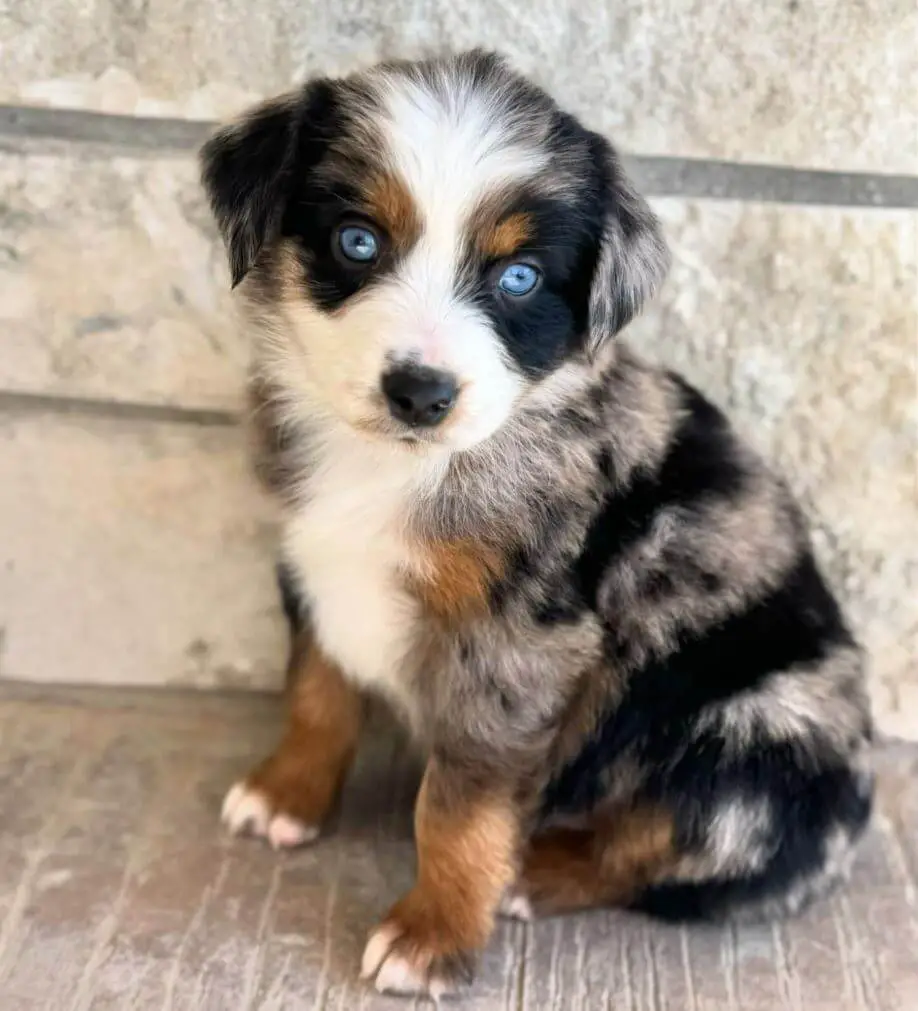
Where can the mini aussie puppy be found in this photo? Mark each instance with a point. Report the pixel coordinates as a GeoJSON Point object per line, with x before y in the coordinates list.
{"type": "Point", "coordinates": [593, 605]}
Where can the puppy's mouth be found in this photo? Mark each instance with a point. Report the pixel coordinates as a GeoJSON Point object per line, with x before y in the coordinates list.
{"type": "Point", "coordinates": [385, 429]}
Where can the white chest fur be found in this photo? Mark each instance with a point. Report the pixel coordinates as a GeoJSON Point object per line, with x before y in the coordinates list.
{"type": "Point", "coordinates": [347, 542]}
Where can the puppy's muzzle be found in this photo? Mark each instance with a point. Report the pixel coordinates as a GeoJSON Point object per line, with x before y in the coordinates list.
{"type": "Point", "coordinates": [418, 395]}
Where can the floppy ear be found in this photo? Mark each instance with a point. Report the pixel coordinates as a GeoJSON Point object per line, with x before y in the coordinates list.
{"type": "Point", "coordinates": [633, 257]}
{"type": "Point", "coordinates": [245, 169]}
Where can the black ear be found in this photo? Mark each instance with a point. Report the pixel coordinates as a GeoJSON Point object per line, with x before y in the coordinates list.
{"type": "Point", "coordinates": [249, 168]}
{"type": "Point", "coordinates": [633, 257]}
{"type": "Point", "coordinates": [245, 169]}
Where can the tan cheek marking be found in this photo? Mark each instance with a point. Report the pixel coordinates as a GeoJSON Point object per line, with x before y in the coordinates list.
{"type": "Point", "coordinates": [390, 204]}
{"type": "Point", "coordinates": [455, 578]}
{"type": "Point", "coordinates": [505, 238]}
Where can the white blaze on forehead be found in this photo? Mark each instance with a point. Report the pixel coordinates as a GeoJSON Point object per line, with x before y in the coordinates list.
{"type": "Point", "coordinates": [452, 147]}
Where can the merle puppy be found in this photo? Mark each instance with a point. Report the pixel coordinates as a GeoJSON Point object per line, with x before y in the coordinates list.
{"type": "Point", "coordinates": [594, 606]}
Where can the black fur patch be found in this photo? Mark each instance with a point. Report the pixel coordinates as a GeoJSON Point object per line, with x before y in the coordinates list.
{"type": "Point", "coordinates": [810, 797]}
{"type": "Point", "coordinates": [702, 464]}
{"type": "Point", "coordinates": [809, 789]}
{"type": "Point", "coordinates": [794, 625]}
{"type": "Point", "coordinates": [540, 330]}
{"type": "Point", "coordinates": [797, 623]}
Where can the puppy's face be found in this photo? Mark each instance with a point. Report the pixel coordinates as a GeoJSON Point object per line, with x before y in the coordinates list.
{"type": "Point", "coordinates": [427, 242]}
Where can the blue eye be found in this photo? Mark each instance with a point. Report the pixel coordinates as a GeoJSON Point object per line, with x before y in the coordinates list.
{"type": "Point", "coordinates": [518, 279]}
{"type": "Point", "coordinates": [358, 244]}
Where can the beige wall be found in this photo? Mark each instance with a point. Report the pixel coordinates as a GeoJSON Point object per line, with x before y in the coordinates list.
{"type": "Point", "coordinates": [134, 548]}
{"type": "Point", "coordinates": [809, 82]}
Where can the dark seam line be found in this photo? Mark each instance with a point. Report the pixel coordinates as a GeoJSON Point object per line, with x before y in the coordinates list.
{"type": "Point", "coordinates": [657, 176]}
{"type": "Point", "coordinates": [154, 700]}
{"type": "Point", "coordinates": [147, 133]}
{"type": "Point", "coordinates": [723, 180]}
{"type": "Point", "coordinates": [15, 402]}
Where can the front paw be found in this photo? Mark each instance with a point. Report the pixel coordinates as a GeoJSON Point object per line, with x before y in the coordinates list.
{"type": "Point", "coordinates": [259, 812]}
{"type": "Point", "coordinates": [417, 950]}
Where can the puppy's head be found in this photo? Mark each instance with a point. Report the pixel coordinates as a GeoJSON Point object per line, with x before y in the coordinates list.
{"type": "Point", "coordinates": [426, 242]}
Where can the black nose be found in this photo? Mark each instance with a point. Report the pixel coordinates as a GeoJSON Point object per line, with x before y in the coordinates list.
{"type": "Point", "coordinates": [419, 395]}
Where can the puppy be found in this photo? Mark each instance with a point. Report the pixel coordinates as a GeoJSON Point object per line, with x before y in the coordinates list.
{"type": "Point", "coordinates": [595, 607]}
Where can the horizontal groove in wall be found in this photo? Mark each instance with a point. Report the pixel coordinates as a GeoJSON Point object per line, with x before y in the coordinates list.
{"type": "Point", "coordinates": [133, 133]}
{"type": "Point", "coordinates": [721, 180]}
{"type": "Point", "coordinates": [31, 128]}
{"type": "Point", "coordinates": [20, 403]}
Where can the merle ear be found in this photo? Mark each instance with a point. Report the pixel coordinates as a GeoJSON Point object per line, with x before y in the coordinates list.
{"type": "Point", "coordinates": [633, 258]}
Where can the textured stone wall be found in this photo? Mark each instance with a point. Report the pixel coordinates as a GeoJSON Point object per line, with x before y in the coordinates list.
{"type": "Point", "coordinates": [134, 547]}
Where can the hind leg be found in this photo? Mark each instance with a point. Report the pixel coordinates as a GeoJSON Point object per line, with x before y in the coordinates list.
{"type": "Point", "coordinates": [778, 837]}
{"type": "Point", "coordinates": [607, 863]}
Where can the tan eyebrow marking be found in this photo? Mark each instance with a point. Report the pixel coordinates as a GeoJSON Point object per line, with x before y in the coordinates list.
{"type": "Point", "coordinates": [389, 203]}
{"type": "Point", "coordinates": [505, 237]}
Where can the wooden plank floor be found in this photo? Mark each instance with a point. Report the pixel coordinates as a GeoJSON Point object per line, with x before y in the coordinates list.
{"type": "Point", "coordinates": [119, 891]}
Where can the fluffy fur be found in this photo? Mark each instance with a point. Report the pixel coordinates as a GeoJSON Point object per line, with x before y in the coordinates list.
{"type": "Point", "coordinates": [595, 607]}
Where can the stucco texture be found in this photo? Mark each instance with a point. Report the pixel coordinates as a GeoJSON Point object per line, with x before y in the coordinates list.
{"type": "Point", "coordinates": [797, 82]}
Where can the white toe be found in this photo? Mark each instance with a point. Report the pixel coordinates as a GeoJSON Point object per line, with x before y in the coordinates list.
{"type": "Point", "coordinates": [437, 989]}
{"type": "Point", "coordinates": [516, 907]}
{"type": "Point", "coordinates": [285, 832]}
{"type": "Point", "coordinates": [245, 809]}
{"type": "Point", "coordinates": [398, 975]}
{"type": "Point", "coordinates": [376, 950]}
